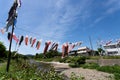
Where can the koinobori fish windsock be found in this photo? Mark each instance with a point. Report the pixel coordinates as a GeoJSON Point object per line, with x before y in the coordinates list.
{"type": "Point", "coordinates": [53, 44]}
{"type": "Point", "coordinates": [2, 31]}
{"type": "Point", "coordinates": [56, 47]}
{"type": "Point", "coordinates": [12, 21]}
{"type": "Point", "coordinates": [46, 46]}
{"type": "Point", "coordinates": [19, 3]}
{"type": "Point", "coordinates": [63, 51]}
{"type": "Point", "coordinates": [8, 36]}
{"type": "Point", "coordinates": [26, 40]}
{"type": "Point", "coordinates": [108, 42]}
{"type": "Point", "coordinates": [71, 46]}
{"type": "Point", "coordinates": [12, 15]}
{"type": "Point", "coordinates": [15, 38]}
{"type": "Point", "coordinates": [30, 40]}
{"type": "Point", "coordinates": [38, 44]}
{"type": "Point", "coordinates": [34, 40]}
{"type": "Point", "coordinates": [21, 40]}
{"type": "Point", "coordinates": [65, 48]}
{"type": "Point", "coordinates": [12, 10]}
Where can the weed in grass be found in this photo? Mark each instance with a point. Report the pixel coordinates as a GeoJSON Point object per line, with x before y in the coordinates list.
{"type": "Point", "coordinates": [24, 71]}
{"type": "Point", "coordinates": [74, 77]}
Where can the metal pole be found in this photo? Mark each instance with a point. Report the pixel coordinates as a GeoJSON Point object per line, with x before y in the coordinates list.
{"type": "Point", "coordinates": [91, 45]}
{"type": "Point", "coordinates": [9, 56]}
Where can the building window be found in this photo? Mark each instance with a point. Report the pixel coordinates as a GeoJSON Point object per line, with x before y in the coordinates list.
{"type": "Point", "coordinates": [115, 52]}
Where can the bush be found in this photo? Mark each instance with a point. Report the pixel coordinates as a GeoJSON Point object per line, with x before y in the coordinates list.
{"type": "Point", "coordinates": [40, 55]}
{"type": "Point", "coordinates": [23, 70]}
{"type": "Point", "coordinates": [75, 77]}
{"type": "Point", "coordinates": [77, 61]}
{"type": "Point", "coordinates": [2, 51]}
{"type": "Point", "coordinates": [63, 60]}
{"type": "Point", "coordinates": [109, 69]}
{"type": "Point", "coordinates": [52, 54]}
{"type": "Point", "coordinates": [1, 60]}
{"type": "Point", "coordinates": [74, 61]}
{"type": "Point", "coordinates": [74, 65]}
{"type": "Point", "coordinates": [90, 66]}
{"type": "Point", "coordinates": [117, 76]}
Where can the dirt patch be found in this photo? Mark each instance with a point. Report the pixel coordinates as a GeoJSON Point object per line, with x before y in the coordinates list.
{"type": "Point", "coordinates": [86, 74]}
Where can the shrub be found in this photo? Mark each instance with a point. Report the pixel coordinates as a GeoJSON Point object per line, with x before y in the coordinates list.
{"type": "Point", "coordinates": [74, 61]}
{"type": "Point", "coordinates": [1, 60]}
{"type": "Point", "coordinates": [75, 77]}
{"type": "Point", "coordinates": [63, 60]}
{"type": "Point", "coordinates": [109, 69]}
{"type": "Point", "coordinates": [90, 65]}
{"type": "Point", "coordinates": [40, 55]}
{"type": "Point", "coordinates": [117, 76]}
{"type": "Point", "coordinates": [52, 54]}
{"type": "Point", "coordinates": [26, 71]}
{"type": "Point", "coordinates": [74, 65]}
{"type": "Point", "coordinates": [2, 51]}
{"type": "Point", "coordinates": [77, 61]}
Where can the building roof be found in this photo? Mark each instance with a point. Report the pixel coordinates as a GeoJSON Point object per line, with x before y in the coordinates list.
{"type": "Point", "coordinates": [111, 44]}
{"type": "Point", "coordinates": [85, 47]}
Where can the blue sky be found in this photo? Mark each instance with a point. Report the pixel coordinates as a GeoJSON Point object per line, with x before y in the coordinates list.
{"type": "Point", "coordinates": [63, 21]}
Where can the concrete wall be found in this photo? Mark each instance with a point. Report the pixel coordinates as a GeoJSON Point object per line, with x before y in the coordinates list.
{"type": "Point", "coordinates": [109, 62]}
{"type": "Point", "coordinates": [92, 61]}
{"type": "Point", "coordinates": [105, 62]}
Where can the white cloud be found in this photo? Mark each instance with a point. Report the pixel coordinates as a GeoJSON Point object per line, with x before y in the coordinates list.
{"type": "Point", "coordinates": [60, 3]}
{"type": "Point", "coordinates": [52, 20]}
{"type": "Point", "coordinates": [110, 6]}
{"type": "Point", "coordinates": [97, 20]}
{"type": "Point", "coordinates": [112, 10]}
{"type": "Point", "coordinates": [58, 23]}
{"type": "Point", "coordinates": [113, 6]}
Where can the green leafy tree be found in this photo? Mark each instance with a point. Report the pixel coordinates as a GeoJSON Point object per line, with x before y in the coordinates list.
{"type": "Point", "coordinates": [52, 54]}
{"type": "Point", "coordinates": [37, 55]}
{"type": "Point", "coordinates": [100, 51]}
{"type": "Point", "coordinates": [2, 50]}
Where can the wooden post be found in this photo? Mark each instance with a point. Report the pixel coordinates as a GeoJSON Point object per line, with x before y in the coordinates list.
{"type": "Point", "coordinates": [9, 56]}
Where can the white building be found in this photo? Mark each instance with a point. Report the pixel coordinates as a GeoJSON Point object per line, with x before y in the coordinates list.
{"type": "Point", "coordinates": [83, 50]}
{"type": "Point", "coordinates": [112, 49]}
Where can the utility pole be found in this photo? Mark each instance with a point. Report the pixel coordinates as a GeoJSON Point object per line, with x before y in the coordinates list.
{"type": "Point", "coordinates": [91, 44]}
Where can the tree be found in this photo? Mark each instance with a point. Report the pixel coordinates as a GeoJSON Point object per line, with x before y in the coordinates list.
{"type": "Point", "coordinates": [100, 51]}
{"type": "Point", "coordinates": [52, 54]}
{"type": "Point", "coordinates": [2, 50]}
{"type": "Point", "coordinates": [37, 55]}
